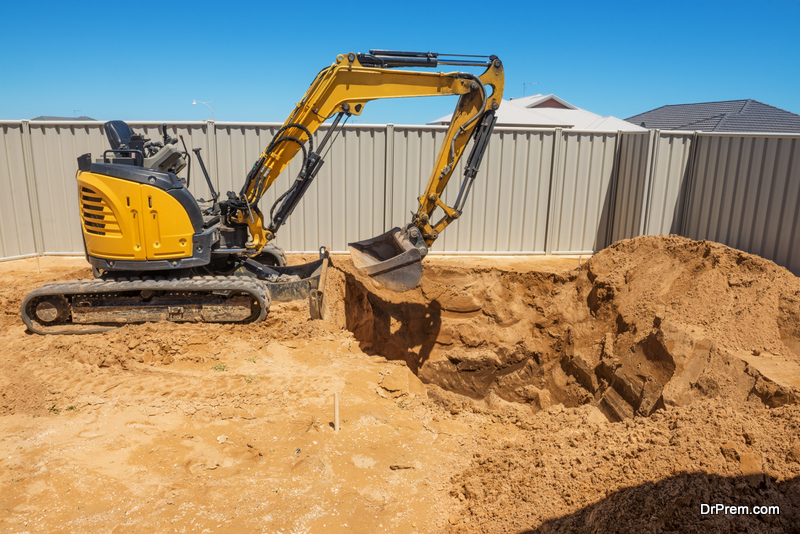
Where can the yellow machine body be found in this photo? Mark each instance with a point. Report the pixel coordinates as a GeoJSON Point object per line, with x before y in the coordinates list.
{"type": "Point", "coordinates": [124, 220]}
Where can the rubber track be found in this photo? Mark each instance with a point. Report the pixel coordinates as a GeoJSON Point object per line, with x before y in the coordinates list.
{"type": "Point", "coordinates": [254, 287]}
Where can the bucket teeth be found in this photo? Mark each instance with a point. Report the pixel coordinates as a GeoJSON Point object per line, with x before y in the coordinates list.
{"type": "Point", "coordinates": [391, 259]}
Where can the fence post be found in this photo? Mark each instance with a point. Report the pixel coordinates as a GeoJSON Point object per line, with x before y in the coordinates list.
{"type": "Point", "coordinates": [388, 177]}
{"type": "Point", "coordinates": [554, 212]}
{"type": "Point", "coordinates": [690, 176]}
{"type": "Point", "coordinates": [30, 183]}
{"type": "Point", "coordinates": [612, 208]}
{"type": "Point", "coordinates": [649, 177]}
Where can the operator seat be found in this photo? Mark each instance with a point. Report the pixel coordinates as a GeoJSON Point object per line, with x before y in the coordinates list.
{"type": "Point", "coordinates": [119, 134]}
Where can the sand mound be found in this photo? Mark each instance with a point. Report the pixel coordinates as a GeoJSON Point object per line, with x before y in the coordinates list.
{"type": "Point", "coordinates": [570, 472]}
{"type": "Point", "coordinates": [647, 323]}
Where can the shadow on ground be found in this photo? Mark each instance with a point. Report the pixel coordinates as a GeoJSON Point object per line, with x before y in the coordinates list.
{"type": "Point", "coordinates": [398, 330]}
{"type": "Point", "coordinates": [674, 505]}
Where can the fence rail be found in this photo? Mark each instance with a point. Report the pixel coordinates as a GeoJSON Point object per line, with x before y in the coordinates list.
{"type": "Point", "coordinates": [539, 190]}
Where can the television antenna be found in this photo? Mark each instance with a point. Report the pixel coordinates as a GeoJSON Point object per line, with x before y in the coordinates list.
{"type": "Point", "coordinates": [527, 83]}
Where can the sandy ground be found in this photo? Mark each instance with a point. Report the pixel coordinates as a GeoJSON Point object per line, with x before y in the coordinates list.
{"type": "Point", "coordinates": [504, 395]}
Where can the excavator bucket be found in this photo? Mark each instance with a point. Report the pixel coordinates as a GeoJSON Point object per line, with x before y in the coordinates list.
{"type": "Point", "coordinates": [391, 259]}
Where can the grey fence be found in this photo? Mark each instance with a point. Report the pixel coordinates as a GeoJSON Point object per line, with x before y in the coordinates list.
{"type": "Point", "coordinates": [539, 191]}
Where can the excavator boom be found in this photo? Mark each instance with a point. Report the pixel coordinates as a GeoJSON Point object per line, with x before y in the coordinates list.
{"type": "Point", "coordinates": [342, 90]}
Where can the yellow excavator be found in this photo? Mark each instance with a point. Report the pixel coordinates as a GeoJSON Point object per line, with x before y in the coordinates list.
{"type": "Point", "coordinates": [158, 253]}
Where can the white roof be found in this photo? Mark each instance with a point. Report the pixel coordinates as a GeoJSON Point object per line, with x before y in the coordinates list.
{"type": "Point", "coordinates": [524, 112]}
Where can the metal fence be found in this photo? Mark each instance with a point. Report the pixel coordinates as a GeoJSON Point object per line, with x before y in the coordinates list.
{"type": "Point", "coordinates": [539, 190]}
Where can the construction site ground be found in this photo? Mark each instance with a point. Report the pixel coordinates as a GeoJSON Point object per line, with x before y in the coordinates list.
{"type": "Point", "coordinates": [618, 392]}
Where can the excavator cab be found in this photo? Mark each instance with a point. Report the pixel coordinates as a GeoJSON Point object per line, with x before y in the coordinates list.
{"type": "Point", "coordinates": [130, 148]}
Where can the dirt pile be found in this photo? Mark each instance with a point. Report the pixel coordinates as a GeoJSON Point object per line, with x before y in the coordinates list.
{"type": "Point", "coordinates": [647, 323]}
{"type": "Point", "coordinates": [572, 472]}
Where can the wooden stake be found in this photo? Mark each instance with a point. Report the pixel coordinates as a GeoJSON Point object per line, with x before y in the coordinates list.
{"type": "Point", "coordinates": [336, 412]}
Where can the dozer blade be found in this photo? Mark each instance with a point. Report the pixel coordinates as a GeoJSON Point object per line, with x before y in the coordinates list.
{"type": "Point", "coordinates": [295, 282]}
{"type": "Point", "coordinates": [316, 297]}
{"type": "Point", "coordinates": [390, 259]}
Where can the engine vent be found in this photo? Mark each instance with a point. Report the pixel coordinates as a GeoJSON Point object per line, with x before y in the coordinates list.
{"type": "Point", "coordinates": [96, 214]}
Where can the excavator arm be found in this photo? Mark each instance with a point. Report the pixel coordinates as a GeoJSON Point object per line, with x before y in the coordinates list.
{"type": "Point", "coordinates": [342, 90]}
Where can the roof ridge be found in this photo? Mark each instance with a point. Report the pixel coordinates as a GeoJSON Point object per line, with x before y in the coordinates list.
{"type": "Point", "coordinates": [720, 116]}
{"type": "Point", "coordinates": [746, 103]}
{"type": "Point", "coordinates": [721, 121]}
{"type": "Point", "coordinates": [720, 127]}
{"type": "Point", "coordinates": [713, 102]}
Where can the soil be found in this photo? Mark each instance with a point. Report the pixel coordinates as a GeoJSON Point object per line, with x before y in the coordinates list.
{"type": "Point", "coordinates": [613, 393]}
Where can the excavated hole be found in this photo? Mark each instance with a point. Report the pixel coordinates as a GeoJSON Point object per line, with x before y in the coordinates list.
{"type": "Point", "coordinates": [616, 333]}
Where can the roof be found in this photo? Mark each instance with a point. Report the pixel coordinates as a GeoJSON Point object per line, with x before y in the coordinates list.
{"type": "Point", "coordinates": [550, 111]}
{"type": "Point", "coordinates": [728, 116]}
{"type": "Point", "coordinates": [50, 118]}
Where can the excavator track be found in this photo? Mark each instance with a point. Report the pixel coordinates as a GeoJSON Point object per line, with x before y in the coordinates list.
{"type": "Point", "coordinates": [93, 306]}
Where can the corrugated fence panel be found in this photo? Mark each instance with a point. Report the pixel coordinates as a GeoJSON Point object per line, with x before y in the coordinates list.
{"type": "Point", "coordinates": [631, 190]}
{"type": "Point", "coordinates": [745, 193]}
{"type": "Point", "coordinates": [532, 205]}
{"type": "Point", "coordinates": [506, 210]}
{"type": "Point", "coordinates": [516, 177]}
{"type": "Point", "coordinates": [583, 199]}
{"type": "Point", "coordinates": [55, 150]}
{"type": "Point", "coordinates": [352, 187]}
{"type": "Point", "coordinates": [16, 223]}
{"type": "Point", "coordinates": [414, 154]}
{"type": "Point", "coordinates": [670, 177]}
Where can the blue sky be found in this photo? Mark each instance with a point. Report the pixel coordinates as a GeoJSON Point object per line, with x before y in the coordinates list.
{"type": "Point", "coordinates": [149, 60]}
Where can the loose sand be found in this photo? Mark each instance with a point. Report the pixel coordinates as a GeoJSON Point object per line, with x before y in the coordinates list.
{"type": "Point", "coordinates": [502, 395]}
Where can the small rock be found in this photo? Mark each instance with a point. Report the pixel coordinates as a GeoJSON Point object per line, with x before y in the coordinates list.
{"type": "Point", "coordinates": [453, 520]}
{"type": "Point", "coordinates": [750, 463]}
{"type": "Point", "coordinates": [794, 454]}
{"type": "Point", "coordinates": [222, 439]}
{"type": "Point", "coordinates": [728, 450]}
{"type": "Point", "coordinates": [133, 343]}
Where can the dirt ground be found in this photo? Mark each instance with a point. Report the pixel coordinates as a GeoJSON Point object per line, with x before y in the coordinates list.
{"type": "Point", "coordinates": [503, 395]}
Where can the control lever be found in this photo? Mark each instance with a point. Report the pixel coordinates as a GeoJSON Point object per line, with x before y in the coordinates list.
{"type": "Point", "coordinates": [167, 139]}
{"type": "Point", "coordinates": [188, 162]}
{"type": "Point", "coordinates": [214, 194]}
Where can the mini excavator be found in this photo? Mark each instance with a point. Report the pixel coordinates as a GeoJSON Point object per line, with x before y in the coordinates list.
{"type": "Point", "coordinates": [159, 254]}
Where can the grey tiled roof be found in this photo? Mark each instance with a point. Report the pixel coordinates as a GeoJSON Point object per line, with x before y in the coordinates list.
{"type": "Point", "coordinates": [51, 118]}
{"type": "Point", "coordinates": [731, 116]}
